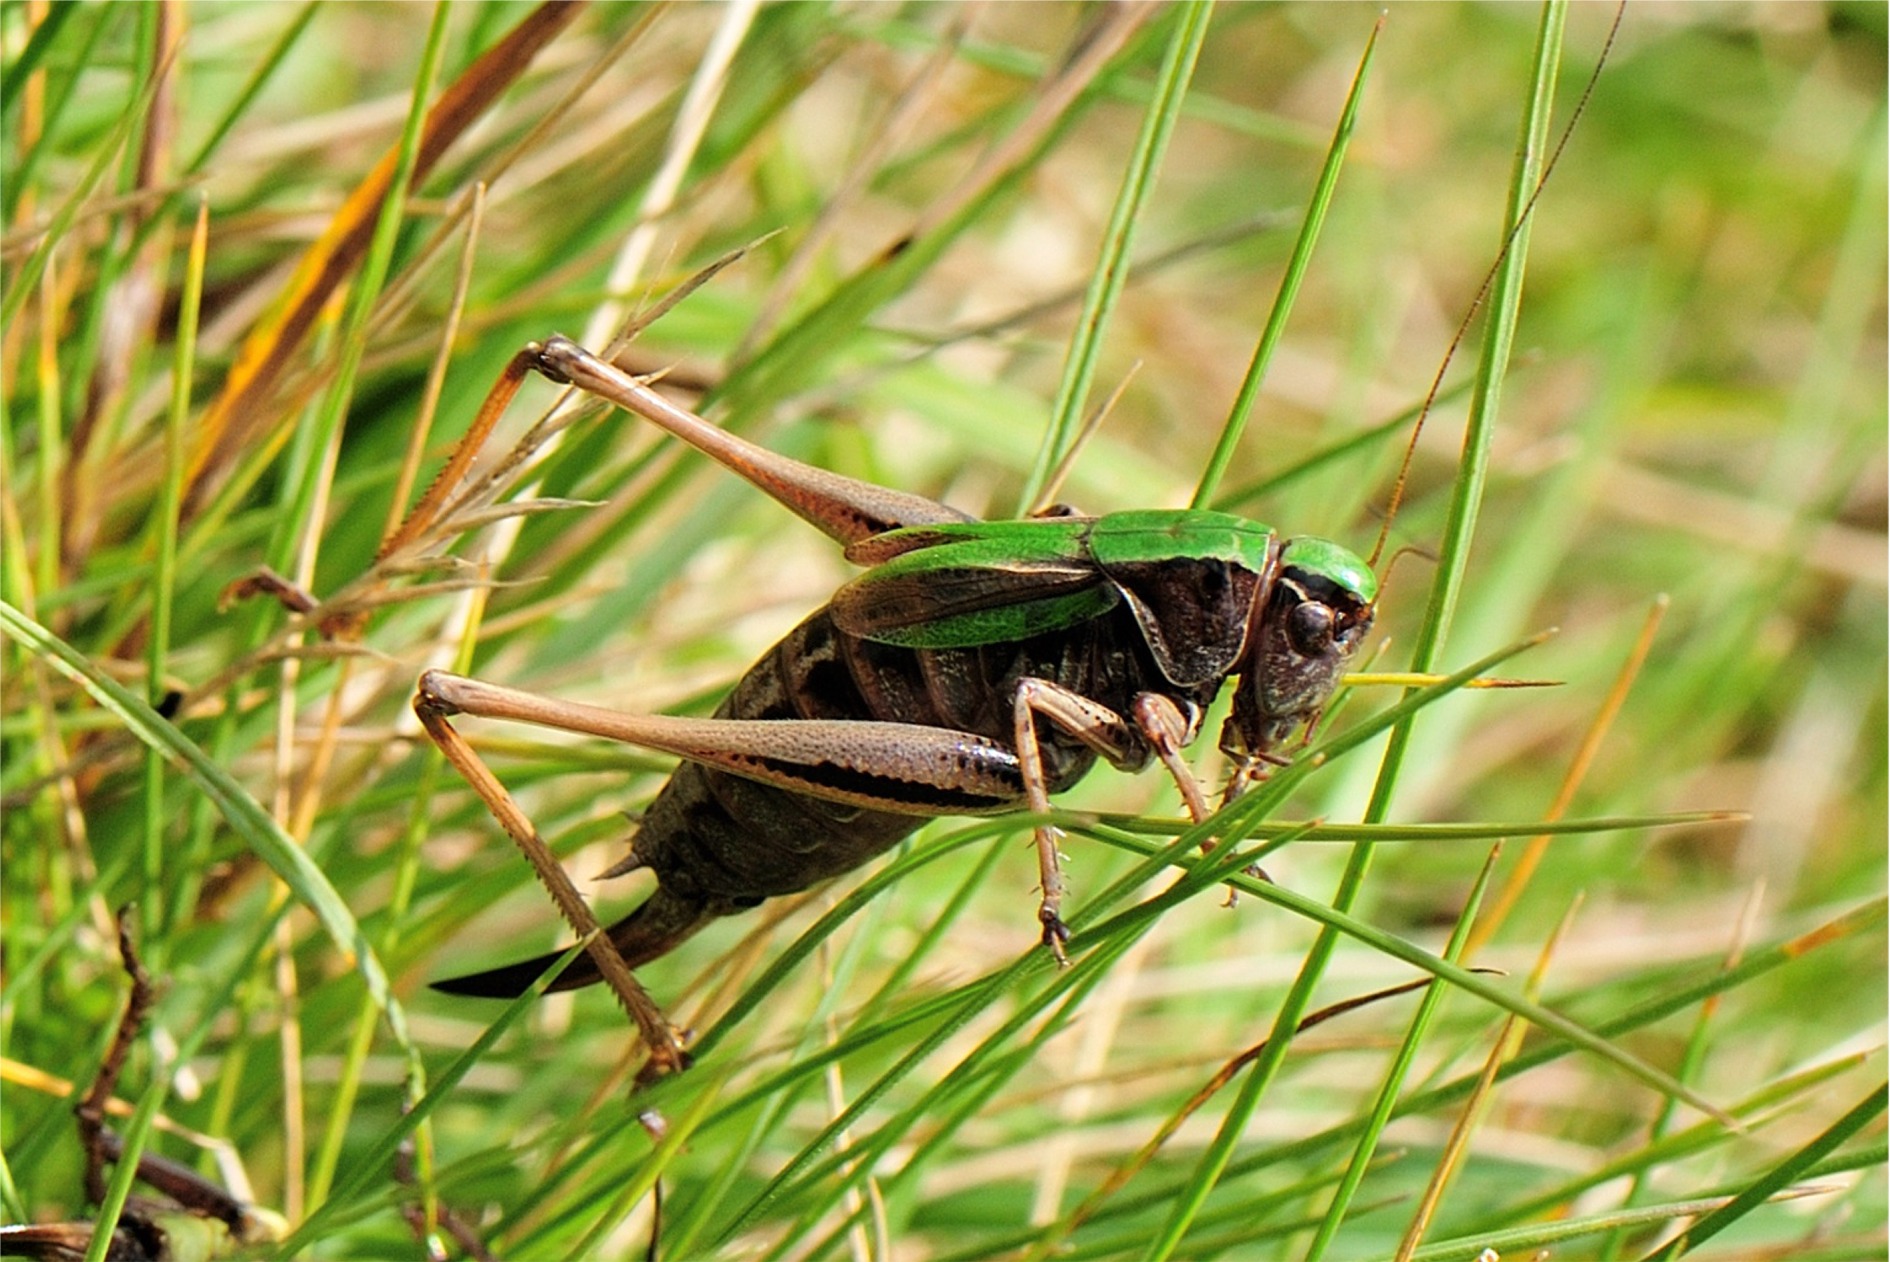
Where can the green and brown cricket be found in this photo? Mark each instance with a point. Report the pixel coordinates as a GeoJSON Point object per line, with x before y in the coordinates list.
{"type": "Point", "coordinates": [975, 667]}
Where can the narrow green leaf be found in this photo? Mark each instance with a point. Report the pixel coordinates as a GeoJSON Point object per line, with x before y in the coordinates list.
{"type": "Point", "coordinates": [1775, 1180]}
{"type": "Point", "coordinates": [15, 76]}
{"type": "Point", "coordinates": [1290, 280]}
{"type": "Point", "coordinates": [373, 1164]}
{"type": "Point", "coordinates": [1112, 262]}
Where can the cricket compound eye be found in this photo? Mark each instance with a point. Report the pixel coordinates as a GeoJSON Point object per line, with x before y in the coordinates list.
{"type": "Point", "coordinates": [1309, 628]}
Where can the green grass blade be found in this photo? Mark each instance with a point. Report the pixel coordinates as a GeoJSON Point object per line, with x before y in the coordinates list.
{"type": "Point", "coordinates": [137, 1134]}
{"type": "Point", "coordinates": [1368, 439]}
{"type": "Point", "coordinates": [1338, 922]}
{"type": "Point", "coordinates": [20, 178]}
{"type": "Point", "coordinates": [1865, 920]}
{"type": "Point", "coordinates": [1775, 1180]}
{"type": "Point", "coordinates": [366, 291]}
{"type": "Point", "coordinates": [1775, 1102]}
{"type": "Point", "coordinates": [1400, 1067]}
{"type": "Point", "coordinates": [1296, 265]}
{"type": "Point", "coordinates": [260, 73]}
{"type": "Point", "coordinates": [1319, 831]}
{"type": "Point", "coordinates": [791, 960]}
{"type": "Point", "coordinates": [1460, 527]}
{"type": "Point", "coordinates": [1111, 270]}
{"type": "Point", "coordinates": [25, 279]}
{"type": "Point", "coordinates": [374, 1162]}
{"type": "Point", "coordinates": [791, 360]}
{"type": "Point", "coordinates": [1543, 1237]}
{"type": "Point", "coordinates": [154, 922]}
{"type": "Point", "coordinates": [1098, 949]}
{"type": "Point", "coordinates": [16, 75]}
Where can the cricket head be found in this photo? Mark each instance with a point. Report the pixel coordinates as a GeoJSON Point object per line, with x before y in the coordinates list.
{"type": "Point", "coordinates": [1304, 629]}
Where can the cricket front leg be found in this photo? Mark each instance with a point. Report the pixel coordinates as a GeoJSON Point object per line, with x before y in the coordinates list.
{"type": "Point", "coordinates": [1156, 725]}
{"type": "Point", "coordinates": [666, 1053]}
{"type": "Point", "coordinates": [1167, 731]}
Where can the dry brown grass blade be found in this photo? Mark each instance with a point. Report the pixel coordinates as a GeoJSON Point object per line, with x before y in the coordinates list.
{"type": "Point", "coordinates": [1519, 877]}
{"type": "Point", "coordinates": [341, 247]}
{"type": "Point", "coordinates": [1092, 50]}
{"type": "Point", "coordinates": [133, 306]}
{"type": "Point", "coordinates": [91, 1107]}
{"type": "Point", "coordinates": [901, 118]}
{"type": "Point", "coordinates": [28, 126]}
{"type": "Point", "coordinates": [1457, 1147]}
{"type": "Point", "coordinates": [436, 375]}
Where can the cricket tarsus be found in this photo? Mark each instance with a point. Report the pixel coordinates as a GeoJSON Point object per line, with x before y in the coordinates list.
{"type": "Point", "coordinates": [973, 668]}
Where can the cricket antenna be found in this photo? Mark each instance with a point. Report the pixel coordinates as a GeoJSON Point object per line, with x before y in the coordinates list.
{"type": "Point", "coordinates": [1408, 550]}
{"type": "Point", "coordinates": [1489, 279]}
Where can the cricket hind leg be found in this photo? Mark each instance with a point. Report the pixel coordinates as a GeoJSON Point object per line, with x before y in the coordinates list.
{"type": "Point", "coordinates": [845, 509]}
{"type": "Point", "coordinates": [666, 1054]}
{"type": "Point", "coordinates": [894, 767]}
{"type": "Point", "coordinates": [658, 926]}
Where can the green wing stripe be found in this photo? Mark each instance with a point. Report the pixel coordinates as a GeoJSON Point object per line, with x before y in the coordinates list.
{"type": "Point", "coordinates": [1143, 536]}
{"type": "Point", "coordinates": [1035, 539]}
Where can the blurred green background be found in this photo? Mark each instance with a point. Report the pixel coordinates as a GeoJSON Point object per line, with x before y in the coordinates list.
{"type": "Point", "coordinates": [1697, 408]}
